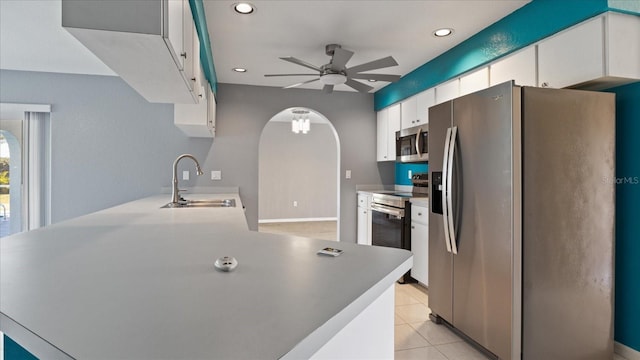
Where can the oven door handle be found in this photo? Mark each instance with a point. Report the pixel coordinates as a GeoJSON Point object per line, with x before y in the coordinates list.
{"type": "Point", "coordinates": [399, 213]}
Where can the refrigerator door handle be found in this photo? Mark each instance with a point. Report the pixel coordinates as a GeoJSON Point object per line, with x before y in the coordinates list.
{"type": "Point", "coordinates": [445, 173]}
{"type": "Point", "coordinates": [452, 151]}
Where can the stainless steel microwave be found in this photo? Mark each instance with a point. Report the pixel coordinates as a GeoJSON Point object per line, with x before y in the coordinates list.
{"type": "Point", "coordinates": [412, 144]}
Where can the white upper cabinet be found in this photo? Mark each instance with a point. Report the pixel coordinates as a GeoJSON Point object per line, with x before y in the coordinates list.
{"type": "Point", "coordinates": [520, 67]}
{"type": "Point", "coordinates": [623, 41]}
{"type": "Point", "coordinates": [426, 99]}
{"type": "Point", "coordinates": [596, 54]}
{"type": "Point", "coordinates": [393, 126]}
{"type": "Point", "coordinates": [388, 123]}
{"type": "Point", "coordinates": [573, 56]}
{"type": "Point", "coordinates": [415, 110]}
{"type": "Point", "coordinates": [409, 109]}
{"type": "Point", "coordinates": [197, 120]}
{"type": "Point", "coordinates": [382, 152]}
{"type": "Point", "coordinates": [474, 81]}
{"type": "Point", "coordinates": [447, 91]}
{"type": "Point", "coordinates": [149, 44]}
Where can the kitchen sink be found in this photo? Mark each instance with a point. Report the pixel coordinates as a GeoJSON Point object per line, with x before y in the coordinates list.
{"type": "Point", "coordinates": [202, 203]}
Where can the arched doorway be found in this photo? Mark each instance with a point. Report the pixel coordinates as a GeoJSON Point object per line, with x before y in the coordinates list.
{"type": "Point", "coordinates": [299, 182]}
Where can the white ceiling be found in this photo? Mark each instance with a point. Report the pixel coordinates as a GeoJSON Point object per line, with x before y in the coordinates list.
{"type": "Point", "coordinates": [32, 39]}
{"type": "Point", "coordinates": [371, 29]}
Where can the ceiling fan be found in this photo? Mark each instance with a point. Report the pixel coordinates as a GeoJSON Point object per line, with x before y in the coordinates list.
{"type": "Point", "coordinates": [336, 72]}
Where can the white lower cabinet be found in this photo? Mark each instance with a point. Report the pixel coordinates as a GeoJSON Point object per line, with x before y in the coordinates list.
{"type": "Point", "coordinates": [420, 243]}
{"type": "Point", "coordinates": [364, 219]}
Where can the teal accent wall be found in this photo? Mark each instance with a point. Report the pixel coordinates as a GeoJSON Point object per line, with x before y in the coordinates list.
{"type": "Point", "coordinates": [627, 296]}
{"type": "Point", "coordinates": [402, 171]}
{"type": "Point", "coordinates": [525, 26]}
{"type": "Point", "coordinates": [13, 351]}
{"type": "Point", "coordinates": [206, 56]}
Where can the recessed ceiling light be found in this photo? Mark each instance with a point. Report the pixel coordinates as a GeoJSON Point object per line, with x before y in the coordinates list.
{"type": "Point", "coordinates": [244, 8]}
{"type": "Point", "coordinates": [240, 70]}
{"type": "Point", "coordinates": [443, 32]}
{"type": "Point", "coordinates": [372, 80]}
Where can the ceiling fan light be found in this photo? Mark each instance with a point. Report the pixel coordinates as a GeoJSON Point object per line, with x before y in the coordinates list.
{"type": "Point", "coordinates": [333, 79]}
{"type": "Point", "coordinates": [244, 8]}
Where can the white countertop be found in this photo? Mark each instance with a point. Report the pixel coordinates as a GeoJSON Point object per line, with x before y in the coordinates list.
{"type": "Point", "coordinates": [138, 282]}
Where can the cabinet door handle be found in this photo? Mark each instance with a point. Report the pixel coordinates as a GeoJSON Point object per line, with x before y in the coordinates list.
{"type": "Point", "coordinates": [419, 214]}
{"type": "Point", "coordinates": [184, 54]}
{"type": "Point", "coordinates": [413, 227]}
{"type": "Point", "coordinates": [545, 84]}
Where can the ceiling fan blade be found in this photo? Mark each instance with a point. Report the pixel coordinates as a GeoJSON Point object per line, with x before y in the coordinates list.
{"type": "Point", "coordinates": [300, 83]}
{"type": "Point", "coordinates": [372, 65]}
{"type": "Point", "coordinates": [327, 89]}
{"type": "Point", "coordinates": [377, 77]}
{"type": "Point", "coordinates": [301, 63]}
{"type": "Point", "coordinates": [358, 85]}
{"type": "Point", "coordinates": [270, 75]}
{"type": "Point", "coordinates": [340, 59]}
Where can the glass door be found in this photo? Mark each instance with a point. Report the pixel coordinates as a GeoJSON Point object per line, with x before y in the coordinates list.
{"type": "Point", "coordinates": [11, 195]}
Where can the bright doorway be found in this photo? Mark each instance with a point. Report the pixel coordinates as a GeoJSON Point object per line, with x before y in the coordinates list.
{"type": "Point", "coordinates": [299, 183]}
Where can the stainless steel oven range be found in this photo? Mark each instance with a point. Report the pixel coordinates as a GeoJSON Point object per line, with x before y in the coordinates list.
{"type": "Point", "coordinates": [391, 217]}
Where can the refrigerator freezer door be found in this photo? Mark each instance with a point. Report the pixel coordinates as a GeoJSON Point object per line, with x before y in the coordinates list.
{"type": "Point", "coordinates": [440, 262]}
{"type": "Point", "coordinates": [483, 213]}
{"type": "Point", "coordinates": [568, 224]}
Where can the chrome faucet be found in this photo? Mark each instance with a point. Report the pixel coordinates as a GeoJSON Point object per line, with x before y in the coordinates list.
{"type": "Point", "coordinates": [176, 199]}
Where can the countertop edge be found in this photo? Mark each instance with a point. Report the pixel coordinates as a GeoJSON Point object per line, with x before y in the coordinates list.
{"type": "Point", "coordinates": [312, 343]}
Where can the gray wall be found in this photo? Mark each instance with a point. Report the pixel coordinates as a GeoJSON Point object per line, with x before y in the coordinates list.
{"type": "Point", "coordinates": [244, 110]}
{"type": "Point", "coordinates": [297, 167]}
{"type": "Point", "coordinates": [108, 144]}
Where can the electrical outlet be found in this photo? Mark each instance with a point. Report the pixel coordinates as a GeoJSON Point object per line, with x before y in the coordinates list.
{"type": "Point", "coordinates": [347, 174]}
{"type": "Point", "coordinates": [185, 175]}
{"type": "Point", "coordinates": [216, 175]}
{"type": "Point", "coordinates": [295, 203]}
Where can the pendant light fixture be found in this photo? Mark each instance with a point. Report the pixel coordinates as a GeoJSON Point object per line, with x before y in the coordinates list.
{"type": "Point", "coordinates": [300, 122]}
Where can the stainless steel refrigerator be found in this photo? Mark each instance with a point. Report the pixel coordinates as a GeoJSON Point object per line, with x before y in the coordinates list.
{"type": "Point", "coordinates": [521, 226]}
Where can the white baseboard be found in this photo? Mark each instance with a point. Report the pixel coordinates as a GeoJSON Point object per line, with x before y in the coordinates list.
{"type": "Point", "coordinates": [268, 221]}
{"type": "Point", "coordinates": [625, 351]}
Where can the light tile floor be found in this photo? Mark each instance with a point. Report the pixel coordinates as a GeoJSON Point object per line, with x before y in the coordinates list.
{"type": "Point", "coordinates": [416, 337]}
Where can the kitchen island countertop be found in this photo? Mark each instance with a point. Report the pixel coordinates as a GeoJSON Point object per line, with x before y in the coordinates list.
{"type": "Point", "coordinates": [137, 282]}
